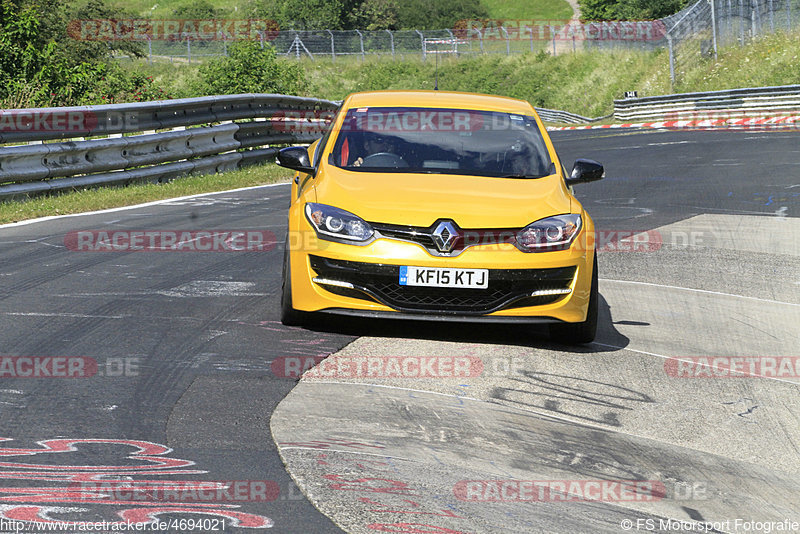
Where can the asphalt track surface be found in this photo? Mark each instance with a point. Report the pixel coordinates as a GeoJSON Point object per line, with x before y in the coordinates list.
{"type": "Point", "coordinates": [198, 332]}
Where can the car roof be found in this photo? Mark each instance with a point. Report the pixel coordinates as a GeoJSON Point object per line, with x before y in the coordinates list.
{"type": "Point", "coordinates": [437, 99]}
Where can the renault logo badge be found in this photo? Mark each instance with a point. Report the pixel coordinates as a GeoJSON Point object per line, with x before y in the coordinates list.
{"type": "Point", "coordinates": [444, 236]}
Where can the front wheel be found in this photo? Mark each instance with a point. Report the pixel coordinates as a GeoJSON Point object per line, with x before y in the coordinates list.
{"type": "Point", "coordinates": [289, 316]}
{"type": "Point", "coordinates": [578, 333]}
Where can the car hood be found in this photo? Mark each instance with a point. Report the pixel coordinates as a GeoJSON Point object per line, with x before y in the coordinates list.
{"type": "Point", "coordinates": [421, 199]}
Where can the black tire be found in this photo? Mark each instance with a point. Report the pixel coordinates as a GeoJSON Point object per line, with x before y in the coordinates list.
{"type": "Point", "coordinates": [289, 316]}
{"type": "Point", "coordinates": [579, 333]}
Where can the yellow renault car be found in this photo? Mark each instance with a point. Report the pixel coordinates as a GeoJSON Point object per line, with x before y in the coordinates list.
{"type": "Point", "coordinates": [433, 205]}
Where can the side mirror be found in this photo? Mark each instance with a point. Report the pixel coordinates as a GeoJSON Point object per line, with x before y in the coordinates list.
{"type": "Point", "coordinates": [585, 170]}
{"type": "Point", "coordinates": [295, 158]}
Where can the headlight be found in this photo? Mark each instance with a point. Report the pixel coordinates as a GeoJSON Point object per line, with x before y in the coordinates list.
{"type": "Point", "coordinates": [552, 233]}
{"type": "Point", "coordinates": [333, 222]}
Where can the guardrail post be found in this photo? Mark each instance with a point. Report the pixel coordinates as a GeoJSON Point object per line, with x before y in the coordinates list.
{"type": "Point", "coordinates": [571, 27]}
{"type": "Point", "coordinates": [759, 18]}
{"type": "Point", "coordinates": [771, 18]}
{"type": "Point", "coordinates": [671, 61]}
{"type": "Point", "coordinates": [714, 26]}
{"type": "Point", "coordinates": [729, 16]}
{"type": "Point", "coordinates": [361, 40]}
{"type": "Point", "coordinates": [508, 41]}
{"type": "Point", "coordinates": [391, 42]}
{"type": "Point", "coordinates": [422, 40]}
{"type": "Point", "coordinates": [333, 50]}
{"type": "Point", "coordinates": [455, 42]}
{"type": "Point", "coordinates": [741, 22]}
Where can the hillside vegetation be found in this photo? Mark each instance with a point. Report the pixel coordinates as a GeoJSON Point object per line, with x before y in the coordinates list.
{"type": "Point", "coordinates": [529, 9]}
{"type": "Point", "coordinates": [585, 83]}
{"type": "Point", "coordinates": [495, 9]}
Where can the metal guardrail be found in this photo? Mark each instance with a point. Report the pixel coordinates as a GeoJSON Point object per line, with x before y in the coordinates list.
{"type": "Point", "coordinates": [556, 115]}
{"type": "Point", "coordinates": [731, 103]}
{"type": "Point", "coordinates": [202, 139]}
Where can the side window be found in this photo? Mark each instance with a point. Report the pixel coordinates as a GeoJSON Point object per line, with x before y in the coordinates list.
{"type": "Point", "coordinates": [561, 162]}
{"type": "Point", "coordinates": [324, 141]}
{"type": "Point", "coordinates": [320, 148]}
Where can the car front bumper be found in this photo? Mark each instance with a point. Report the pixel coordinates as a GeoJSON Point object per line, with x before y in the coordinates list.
{"type": "Point", "coordinates": [355, 280]}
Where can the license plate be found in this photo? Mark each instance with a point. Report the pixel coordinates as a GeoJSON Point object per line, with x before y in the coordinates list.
{"type": "Point", "coordinates": [444, 277]}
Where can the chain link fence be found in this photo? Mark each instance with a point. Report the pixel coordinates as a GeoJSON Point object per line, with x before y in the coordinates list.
{"type": "Point", "coordinates": [699, 31]}
{"type": "Point", "coordinates": [553, 37]}
{"type": "Point", "coordinates": [333, 45]}
{"type": "Point", "coordinates": [691, 35]}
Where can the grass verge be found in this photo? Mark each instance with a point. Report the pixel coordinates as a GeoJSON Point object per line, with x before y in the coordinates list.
{"type": "Point", "coordinates": [114, 197]}
{"type": "Point", "coordinates": [530, 9]}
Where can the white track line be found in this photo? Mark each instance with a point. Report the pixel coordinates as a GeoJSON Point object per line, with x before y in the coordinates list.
{"type": "Point", "coordinates": [700, 291]}
{"type": "Point", "coordinates": [315, 381]}
{"type": "Point", "coordinates": [690, 361]}
{"type": "Point", "coordinates": [69, 315]}
{"type": "Point", "coordinates": [346, 452]}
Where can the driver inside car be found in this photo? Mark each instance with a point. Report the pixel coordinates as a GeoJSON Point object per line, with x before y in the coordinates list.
{"type": "Point", "coordinates": [375, 144]}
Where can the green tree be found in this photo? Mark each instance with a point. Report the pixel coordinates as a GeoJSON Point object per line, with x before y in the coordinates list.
{"type": "Point", "coordinates": [42, 63]}
{"type": "Point", "coordinates": [302, 14]}
{"type": "Point", "coordinates": [376, 15]}
{"type": "Point", "coordinates": [439, 14]}
{"type": "Point", "coordinates": [629, 9]}
{"type": "Point", "coordinates": [31, 62]}
{"type": "Point", "coordinates": [648, 9]}
{"type": "Point", "coordinates": [198, 10]}
{"type": "Point", "coordinates": [598, 9]}
{"type": "Point", "coordinates": [92, 51]}
{"type": "Point", "coordinates": [251, 69]}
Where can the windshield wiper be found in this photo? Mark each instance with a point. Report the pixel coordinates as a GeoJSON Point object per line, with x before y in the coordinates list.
{"type": "Point", "coordinates": [524, 176]}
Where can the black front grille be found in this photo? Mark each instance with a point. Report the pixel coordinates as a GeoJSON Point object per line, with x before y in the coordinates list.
{"type": "Point", "coordinates": [508, 288]}
{"type": "Point", "coordinates": [465, 238]}
{"type": "Point", "coordinates": [406, 233]}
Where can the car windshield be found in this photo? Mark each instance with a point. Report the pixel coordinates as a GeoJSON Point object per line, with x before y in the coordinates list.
{"type": "Point", "coordinates": [452, 141]}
